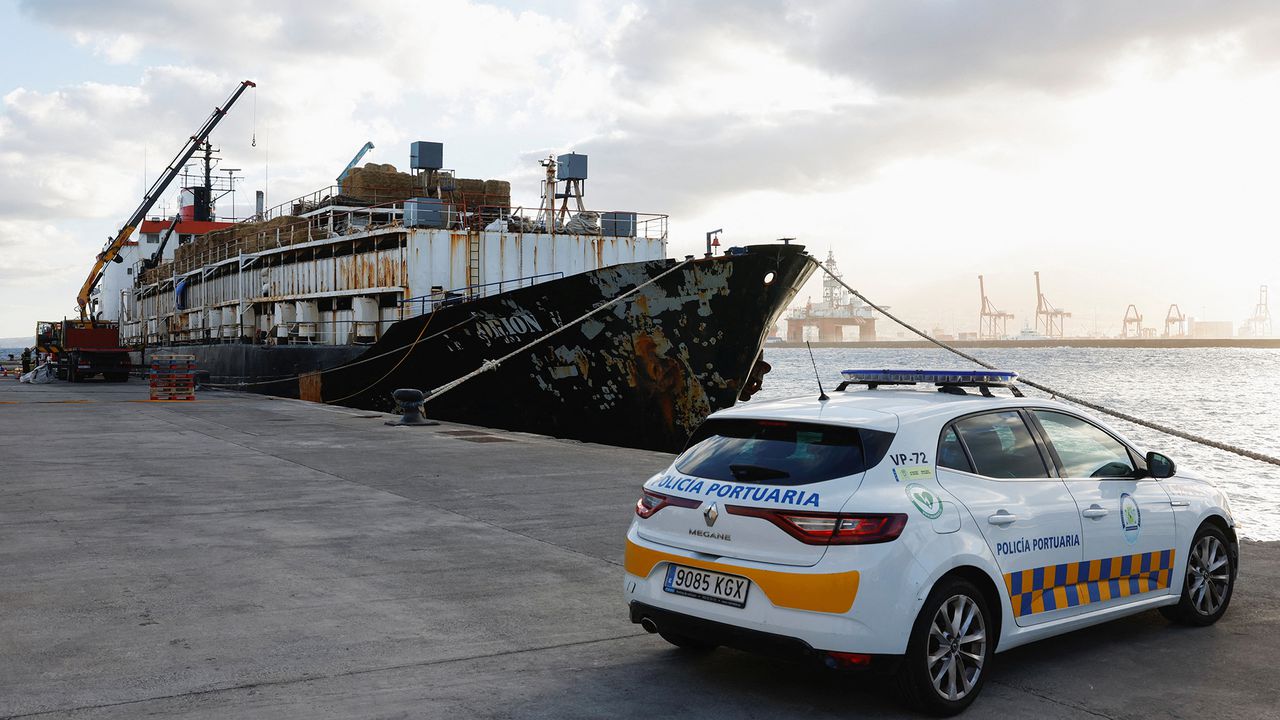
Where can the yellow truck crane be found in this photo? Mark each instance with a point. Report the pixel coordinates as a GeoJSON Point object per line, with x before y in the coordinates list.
{"type": "Point", "coordinates": [87, 346]}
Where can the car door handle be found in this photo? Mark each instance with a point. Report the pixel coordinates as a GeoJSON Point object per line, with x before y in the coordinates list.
{"type": "Point", "coordinates": [1095, 511]}
{"type": "Point", "coordinates": [1002, 517]}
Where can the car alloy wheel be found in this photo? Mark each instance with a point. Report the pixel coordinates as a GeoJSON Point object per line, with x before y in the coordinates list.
{"type": "Point", "coordinates": [1208, 575]}
{"type": "Point", "coordinates": [957, 647]}
{"type": "Point", "coordinates": [1208, 582]}
{"type": "Point", "coordinates": [949, 654]}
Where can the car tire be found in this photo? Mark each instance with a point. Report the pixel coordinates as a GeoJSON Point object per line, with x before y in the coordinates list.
{"type": "Point", "coordinates": [935, 650]}
{"type": "Point", "coordinates": [1209, 581]}
{"type": "Point", "coordinates": [686, 643]}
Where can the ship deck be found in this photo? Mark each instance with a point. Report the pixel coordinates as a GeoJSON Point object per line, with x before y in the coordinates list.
{"type": "Point", "coordinates": [244, 556]}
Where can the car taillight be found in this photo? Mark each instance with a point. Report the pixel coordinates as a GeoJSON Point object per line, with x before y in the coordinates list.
{"type": "Point", "coordinates": [830, 528]}
{"type": "Point", "coordinates": [651, 502]}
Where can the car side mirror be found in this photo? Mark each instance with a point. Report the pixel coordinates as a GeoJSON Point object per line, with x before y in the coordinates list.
{"type": "Point", "coordinates": [1160, 466]}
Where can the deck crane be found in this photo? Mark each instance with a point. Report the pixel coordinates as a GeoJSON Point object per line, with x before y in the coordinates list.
{"type": "Point", "coordinates": [158, 255]}
{"type": "Point", "coordinates": [111, 252]}
{"type": "Point", "coordinates": [84, 347]}
{"type": "Point", "coordinates": [347, 170]}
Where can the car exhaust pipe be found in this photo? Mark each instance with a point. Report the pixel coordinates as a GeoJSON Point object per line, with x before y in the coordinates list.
{"type": "Point", "coordinates": [648, 624]}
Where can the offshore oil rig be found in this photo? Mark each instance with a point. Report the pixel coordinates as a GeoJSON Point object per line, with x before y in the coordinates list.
{"type": "Point", "coordinates": [837, 310]}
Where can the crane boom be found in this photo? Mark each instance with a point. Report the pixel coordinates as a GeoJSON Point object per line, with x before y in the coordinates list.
{"type": "Point", "coordinates": [112, 249]}
{"type": "Point", "coordinates": [366, 148]}
{"type": "Point", "coordinates": [154, 260]}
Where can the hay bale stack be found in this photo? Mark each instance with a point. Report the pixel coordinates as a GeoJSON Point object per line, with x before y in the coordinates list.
{"type": "Point", "coordinates": [292, 229]}
{"type": "Point", "coordinates": [497, 192]}
{"type": "Point", "coordinates": [380, 183]}
{"type": "Point", "coordinates": [157, 273]}
{"type": "Point", "coordinates": [470, 186]}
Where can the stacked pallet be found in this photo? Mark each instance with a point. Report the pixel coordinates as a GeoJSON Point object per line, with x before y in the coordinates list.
{"type": "Point", "coordinates": [173, 377]}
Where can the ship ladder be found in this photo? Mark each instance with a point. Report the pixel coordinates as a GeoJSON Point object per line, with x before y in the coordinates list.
{"type": "Point", "coordinates": [473, 262]}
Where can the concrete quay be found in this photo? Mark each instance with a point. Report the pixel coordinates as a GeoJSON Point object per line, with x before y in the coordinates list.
{"type": "Point", "coordinates": [246, 557]}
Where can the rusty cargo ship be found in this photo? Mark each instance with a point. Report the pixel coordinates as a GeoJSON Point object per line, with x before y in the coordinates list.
{"type": "Point", "coordinates": [412, 280]}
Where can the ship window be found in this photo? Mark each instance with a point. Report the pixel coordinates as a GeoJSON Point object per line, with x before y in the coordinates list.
{"type": "Point", "coordinates": [780, 453]}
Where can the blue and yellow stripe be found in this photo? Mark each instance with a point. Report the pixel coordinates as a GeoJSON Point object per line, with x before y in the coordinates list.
{"type": "Point", "coordinates": [1055, 587]}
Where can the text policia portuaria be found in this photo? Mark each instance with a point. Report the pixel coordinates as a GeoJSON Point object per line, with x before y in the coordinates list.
{"type": "Point", "coordinates": [737, 492]}
{"type": "Point", "coordinates": [1049, 542]}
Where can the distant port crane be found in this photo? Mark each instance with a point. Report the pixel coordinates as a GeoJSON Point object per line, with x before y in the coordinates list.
{"type": "Point", "coordinates": [1175, 322]}
{"type": "Point", "coordinates": [992, 323]}
{"type": "Point", "coordinates": [1132, 319]}
{"type": "Point", "coordinates": [1048, 318]}
{"type": "Point", "coordinates": [1260, 323]}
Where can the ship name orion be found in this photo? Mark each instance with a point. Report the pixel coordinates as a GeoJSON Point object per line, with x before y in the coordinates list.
{"type": "Point", "coordinates": [510, 327]}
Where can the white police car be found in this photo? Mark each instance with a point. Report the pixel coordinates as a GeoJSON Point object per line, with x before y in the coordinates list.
{"type": "Point", "coordinates": [919, 531]}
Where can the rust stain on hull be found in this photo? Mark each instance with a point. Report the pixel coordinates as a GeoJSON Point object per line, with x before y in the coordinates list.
{"type": "Point", "coordinates": [309, 387]}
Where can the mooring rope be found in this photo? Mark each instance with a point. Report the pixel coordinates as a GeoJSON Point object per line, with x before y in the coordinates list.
{"type": "Point", "coordinates": [1208, 442]}
{"type": "Point", "coordinates": [361, 361]}
{"type": "Point", "coordinates": [408, 351]}
{"type": "Point", "coordinates": [488, 365]}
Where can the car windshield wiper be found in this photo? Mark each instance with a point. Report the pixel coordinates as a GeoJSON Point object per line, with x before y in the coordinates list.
{"type": "Point", "coordinates": [757, 472]}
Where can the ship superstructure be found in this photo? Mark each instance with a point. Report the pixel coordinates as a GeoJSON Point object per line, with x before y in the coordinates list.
{"type": "Point", "coordinates": [337, 267]}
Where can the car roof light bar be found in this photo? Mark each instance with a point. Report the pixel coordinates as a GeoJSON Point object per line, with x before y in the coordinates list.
{"type": "Point", "coordinates": [944, 379]}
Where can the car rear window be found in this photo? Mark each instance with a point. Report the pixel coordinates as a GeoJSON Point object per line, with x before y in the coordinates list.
{"type": "Point", "coordinates": [773, 452]}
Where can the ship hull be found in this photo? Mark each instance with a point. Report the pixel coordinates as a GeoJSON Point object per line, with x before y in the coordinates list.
{"type": "Point", "coordinates": [641, 373]}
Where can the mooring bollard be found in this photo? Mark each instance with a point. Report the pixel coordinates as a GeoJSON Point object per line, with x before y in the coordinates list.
{"type": "Point", "coordinates": [409, 402]}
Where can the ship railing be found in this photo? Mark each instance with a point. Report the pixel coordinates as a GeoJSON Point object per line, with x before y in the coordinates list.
{"type": "Point", "coordinates": [422, 304]}
{"type": "Point", "coordinates": [331, 196]}
{"type": "Point", "coordinates": [282, 230]}
{"type": "Point", "coordinates": [605, 223]}
{"type": "Point", "coordinates": [320, 332]}
{"type": "Point", "coordinates": [476, 211]}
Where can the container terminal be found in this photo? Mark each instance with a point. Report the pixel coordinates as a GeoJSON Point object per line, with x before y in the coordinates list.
{"type": "Point", "coordinates": [840, 320]}
{"type": "Point", "coordinates": [248, 556]}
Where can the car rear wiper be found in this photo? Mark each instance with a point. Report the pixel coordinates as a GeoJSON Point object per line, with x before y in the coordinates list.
{"type": "Point", "coordinates": [757, 472]}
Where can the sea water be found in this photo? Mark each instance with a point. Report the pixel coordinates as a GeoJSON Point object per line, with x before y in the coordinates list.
{"type": "Point", "coordinates": [1231, 395]}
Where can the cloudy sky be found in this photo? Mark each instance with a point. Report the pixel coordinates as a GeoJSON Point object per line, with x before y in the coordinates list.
{"type": "Point", "coordinates": [1127, 150]}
